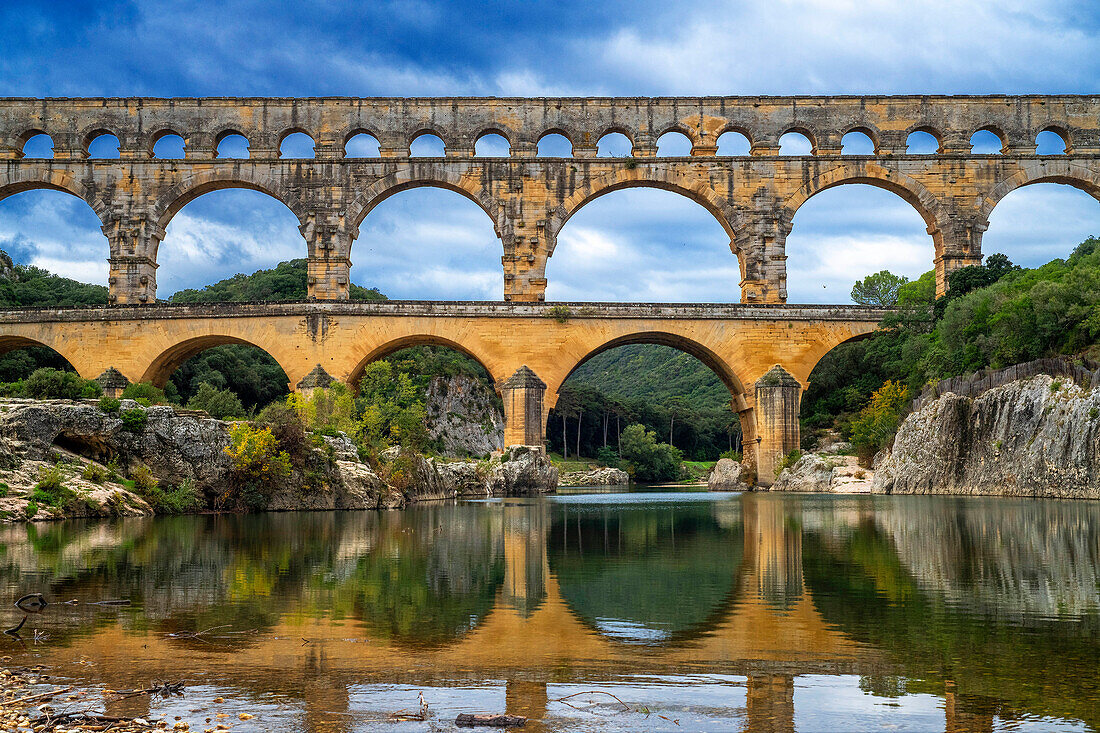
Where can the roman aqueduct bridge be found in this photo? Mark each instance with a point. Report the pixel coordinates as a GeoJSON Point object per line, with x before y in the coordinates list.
{"type": "Point", "coordinates": [762, 349]}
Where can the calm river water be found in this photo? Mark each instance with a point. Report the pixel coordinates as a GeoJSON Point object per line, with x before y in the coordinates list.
{"type": "Point", "coordinates": [693, 611]}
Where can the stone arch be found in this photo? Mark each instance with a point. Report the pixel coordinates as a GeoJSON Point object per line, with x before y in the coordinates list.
{"type": "Point", "coordinates": [868, 130]}
{"type": "Point", "coordinates": [994, 130]}
{"type": "Point", "coordinates": [153, 138]}
{"type": "Point", "coordinates": [28, 178]}
{"type": "Point", "coordinates": [24, 137]}
{"type": "Point", "coordinates": [420, 339]}
{"type": "Point", "coordinates": [10, 343]}
{"type": "Point", "coordinates": [162, 366]}
{"type": "Point", "coordinates": [739, 129]}
{"type": "Point", "coordinates": [691, 133]}
{"type": "Point", "coordinates": [1061, 131]}
{"type": "Point", "coordinates": [89, 134]}
{"type": "Point", "coordinates": [808, 132]}
{"type": "Point", "coordinates": [227, 132]}
{"type": "Point", "coordinates": [645, 177]}
{"type": "Point", "coordinates": [430, 129]}
{"type": "Point", "coordinates": [569, 136]}
{"type": "Point", "coordinates": [926, 128]}
{"type": "Point", "coordinates": [1044, 171]}
{"type": "Point", "coordinates": [170, 201]}
{"type": "Point", "coordinates": [418, 176]}
{"type": "Point", "coordinates": [497, 129]}
{"type": "Point", "coordinates": [914, 192]}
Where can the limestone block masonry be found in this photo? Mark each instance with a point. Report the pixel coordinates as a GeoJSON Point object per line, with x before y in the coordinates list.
{"type": "Point", "coordinates": [529, 349]}
{"type": "Point", "coordinates": [529, 198]}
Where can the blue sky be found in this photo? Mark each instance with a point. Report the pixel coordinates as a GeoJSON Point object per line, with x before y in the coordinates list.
{"type": "Point", "coordinates": [630, 245]}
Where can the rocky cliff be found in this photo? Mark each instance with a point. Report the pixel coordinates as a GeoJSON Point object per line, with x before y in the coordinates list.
{"type": "Point", "coordinates": [464, 417]}
{"type": "Point", "coordinates": [1034, 437]}
{"type": "Point", "coordinates": [95, 458]}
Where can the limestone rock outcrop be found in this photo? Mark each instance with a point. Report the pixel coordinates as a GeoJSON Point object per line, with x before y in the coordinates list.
{"type": "Point", "coordinates": [727, 475]}
{"type": "Point", "coordinates": [835, 474]}
{"type": "Point", "coordinates": [606, 476]}
{"type": "Point", "coordinates": [1033, 437]}
{"type": "Point", "coordinates": [464, 416]}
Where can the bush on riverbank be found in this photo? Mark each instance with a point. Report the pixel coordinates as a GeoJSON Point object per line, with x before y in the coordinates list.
{"type": "Point", "coordinates": [48, 383]}
{"type": "Point", "coordinates": [651, 460]}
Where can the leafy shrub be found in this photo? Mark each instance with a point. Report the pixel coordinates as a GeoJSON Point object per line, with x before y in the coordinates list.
{"type": "Point", "coordinates": [50, 478]}
{"type": "Point", "coordinates": [173, 500]}
{"type": "Point", "coordinates": [606, 456]}
{"type": "Point", "coordinates": [652, 461]}
{"type": "Point", "coordinates": [143, 478]}
{"type": "Point", "coordinates": [144, 391]}
{"type": "Point", "coordinates": [32, 508]}
{"type": "Point", "coordinates": [787, 460]}
{"type": "Point", "coordinates": [134, 420]}
{"type": "Point", "coordinates": [733, 455]}
{"type": "Point", "coordinates": [218, 403]}
{"type": "Point", "coordinates": [51, 489]}
{"type": "Point", "coordinates": [52, 384]}
{"type": "Point", "coordinates": [4, 489]}
{"type": "Point", "coordinates": [95, 473]}
{"type": "Point", "coordinates": [286, 425]}
{"type": "Point", "coordinates": [113, 474]}
{"type": "Point", "coordinates": [256, 465]}
{"type": "Point", "coordinates": [874, 428]}
{"type": "Point", "coordinates": [109, 405]}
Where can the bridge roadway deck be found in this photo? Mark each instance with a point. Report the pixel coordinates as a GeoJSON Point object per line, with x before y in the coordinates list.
{"type": "Point", "coordinates": [740, 342]}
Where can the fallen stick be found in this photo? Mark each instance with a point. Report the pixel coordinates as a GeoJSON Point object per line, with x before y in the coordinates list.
{"type": "Point", "coordinates": [39, 696]}
{"type": "Point", "coordinates": [471, 720]}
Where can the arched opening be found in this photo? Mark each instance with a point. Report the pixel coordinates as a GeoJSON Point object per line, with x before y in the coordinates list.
{"type": "Point", "coordinates": [231, 145]}
{"type": "Point", "coordinates": [674, 388]}
{"type": "Point", "coordinates": [841, 384]}
{"type": "Point", "coordinates": [845, 233]}
{"type": "Point", "coordinates": [986, 142]}
{"type": "Point", "coordinates": [247, 372]}
{"type": "Point", "coordinates": [492, 145]}
{"type": "Point", "coordinates": [38, 145]}
{"type": "Point", "coordinates": [427, 145]}
{"type": "Point", "coordinates": [1050, 142]}
{"type": "Point", "coordinates": [857, 142]}
{"type": "Point", "coordinates": [429, 243]}
{"type": "Point", "coordinates": [643, 244]}
{"type": "Point", "coordinates": [297, 145]}
{"type": "Point", "coordinates": [734, 143]}
{"type": "Point", "coordinates": [243, 377]}
{"type": "Point", "coordinates": [362, 145]}
{"type": "Point", "coordinates": [614, 145]}
{"type": "Point", "coordinates": [1041, 221]}
{"type": "Point", "coordinates": [103, 145]}
{"type": "Point", "coordinates": [222, 232]}
{"type": "Point", "coordinates": [168, 145]}
{"type": "Point", "coordinates": [795, 143]}
{"type": "Point", "coordinates": [922, 142]}
{"type": "Point", "coordinates": [61, 234]}
{"type": "Point", "coordinates": [434, 387]}
{"type": "Point", "coordinates": [19, 358]}
{"type": "Point", "coordinates": [554, 145]}
{"type": "Point", "coordinates": [673, 145]}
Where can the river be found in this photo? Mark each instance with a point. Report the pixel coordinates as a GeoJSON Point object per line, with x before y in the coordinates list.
{"type": "Point", "coordinates": [665, 611]}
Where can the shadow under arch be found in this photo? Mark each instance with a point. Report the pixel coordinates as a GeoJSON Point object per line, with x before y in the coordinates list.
{"type": "Point", "coordinates": [417, 176]}
{"type": "Point", "coordinates": [168, 361]}
{"type": "Point", "coordinates": [406, 342]}
{"type": "Point", "coordinates": [725, 214]}
{"type": "Point", "coordinates": [689, 346]}
{"type": "Point", "coordinates": [175, 198]}
{"type": "Point", "coordinates": [10, 344]}
{"type": "Point", "coordinates": [635, 575]}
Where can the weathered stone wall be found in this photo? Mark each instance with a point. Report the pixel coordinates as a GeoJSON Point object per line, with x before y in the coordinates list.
{"type": "Point", "coordinates": [529, 199]}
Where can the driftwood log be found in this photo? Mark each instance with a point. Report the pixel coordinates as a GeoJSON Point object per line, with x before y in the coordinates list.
{"type": "Point", "coordinates": [472, 720]}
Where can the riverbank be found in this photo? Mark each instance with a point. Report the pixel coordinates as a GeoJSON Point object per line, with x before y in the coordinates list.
{"type": "Point", "coordinates": [80, 458]}
{"type": "Point", "coordinates": [1035, 437]}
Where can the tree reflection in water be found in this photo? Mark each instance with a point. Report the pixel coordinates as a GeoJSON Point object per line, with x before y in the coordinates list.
{"type": "Point", "coordinates": [992, 606]}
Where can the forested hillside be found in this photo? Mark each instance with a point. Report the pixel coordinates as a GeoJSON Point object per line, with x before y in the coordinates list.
{"type": "Point", "coordinates": [285, 281]}
{"type": "Point", "coordinates": [660, 374]}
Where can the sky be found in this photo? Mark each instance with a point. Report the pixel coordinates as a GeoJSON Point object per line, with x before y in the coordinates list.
{"type": "Point", "coordinates": [632, 245]}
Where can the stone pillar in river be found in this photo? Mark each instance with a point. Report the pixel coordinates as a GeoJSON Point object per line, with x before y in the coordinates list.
{"type": "Point", "coordinates": [522, 393]}
{"type": "Point", "coordinates": [769, 703]}
{"type": "Point", "coordinates": [777, 397]}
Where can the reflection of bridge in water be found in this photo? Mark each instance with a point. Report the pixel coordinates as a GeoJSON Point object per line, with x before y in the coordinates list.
{"type": "Point", "coordinates": [538, 634]}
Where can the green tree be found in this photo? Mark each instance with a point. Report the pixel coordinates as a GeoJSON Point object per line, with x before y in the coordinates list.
{"type": "Point", "coordinates": [652, 461]}
{"type": "Point", "coordinates": [218, 403]}
{"type": "Point", "coordinates": [879, 289]}
{"type": "Point", "coordinates": [285, 281]}
{"type": "Point", "coordinates": [874, 427]}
